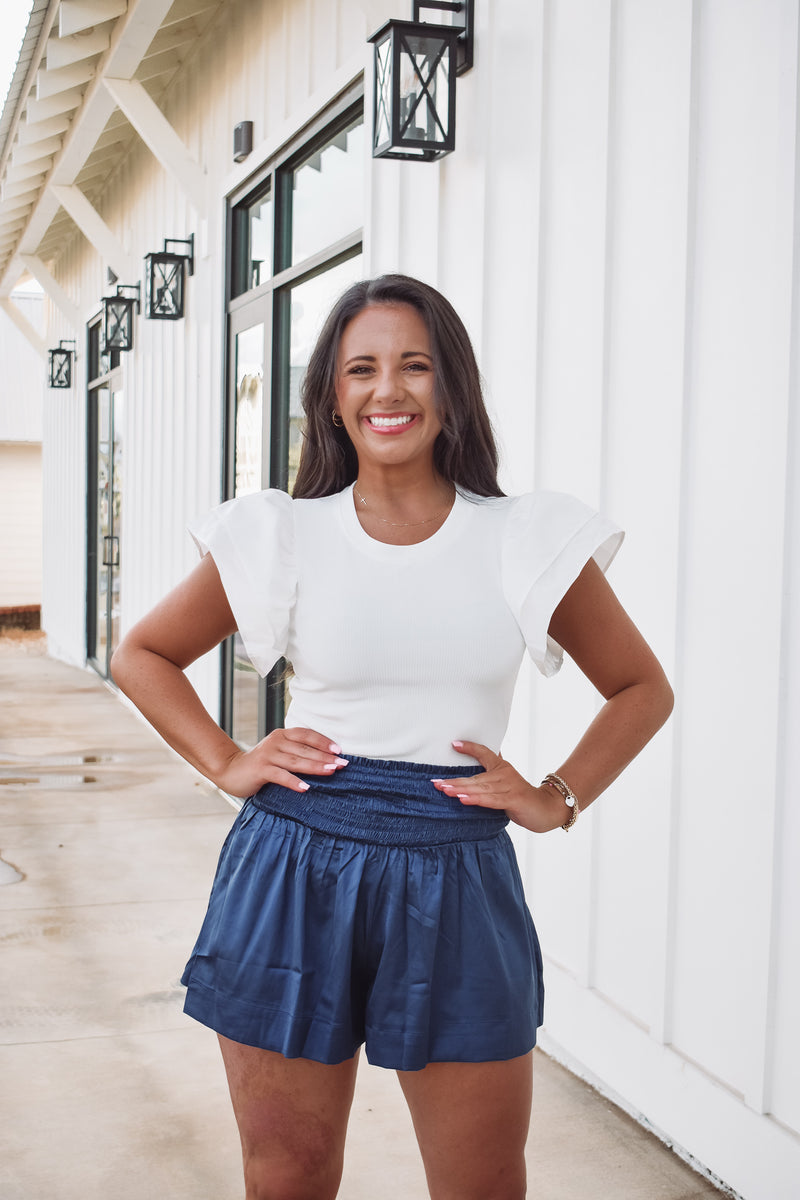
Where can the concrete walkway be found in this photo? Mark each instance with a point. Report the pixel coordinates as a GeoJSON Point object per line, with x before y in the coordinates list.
{"type": "Point", "coordinates": [108, 844]}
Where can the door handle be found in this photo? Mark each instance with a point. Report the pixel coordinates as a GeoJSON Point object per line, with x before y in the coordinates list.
{"type": "Point", "coordinates": [113, 561]}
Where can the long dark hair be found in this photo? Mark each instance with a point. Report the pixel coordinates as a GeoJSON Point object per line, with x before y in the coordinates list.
{"type": "Point", "coordinates": [464, 452]}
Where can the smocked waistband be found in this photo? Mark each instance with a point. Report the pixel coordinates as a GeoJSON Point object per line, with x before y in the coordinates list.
{"type": "Point", "coordinates": [386, 802]}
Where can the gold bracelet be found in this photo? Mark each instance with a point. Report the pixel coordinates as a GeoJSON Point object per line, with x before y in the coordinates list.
{"type": "Point", "coordinates": [561, 785]}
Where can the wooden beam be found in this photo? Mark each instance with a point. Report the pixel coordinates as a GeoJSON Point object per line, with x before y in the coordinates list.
{"type": "Point", "coordinates": [64, 51]}
{"type": "Point", "coordinates": [23, 325]}
{"type": "Point", "coordinates": [53, 288]}
{"type": "Point", "coordinates": [36, 150]}
{"type": "Point", "coordinates": [37, 131]}
{"type": "Point", "coordinates": [14, 210]}
{"type": "Point", "coordinates": [53, 106]}
{"type": "Point", "coordinates": [77, 15]}
{"type": "Point", "coordinates": [130, 39]}
{"type": "Point", "coordinates": [158, 135]}
{"type": "Point", "coordinates": [26, 187]}
{"type": "Point", "coordinates": [55, 81]}
{"type": "Point", "coordinates": [20, 172]}
{"type": "Point", "coordinates": [96, 232]}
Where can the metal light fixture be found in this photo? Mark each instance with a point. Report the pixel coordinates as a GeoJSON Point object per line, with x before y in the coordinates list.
{"type": "Point", "coordinates": [416, 64]}
{"type": "Point", "coordinates": [60, 360]}
{"type": "Point", "coordinates": [163, 286]}
{"type": "Point", "coordinates": [118, 317]}
{"type": "Point", "coordinates": [242, 141]}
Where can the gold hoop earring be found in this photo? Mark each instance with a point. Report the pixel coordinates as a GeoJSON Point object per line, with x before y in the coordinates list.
{"type": "Point", "coordinates": [337, 420]}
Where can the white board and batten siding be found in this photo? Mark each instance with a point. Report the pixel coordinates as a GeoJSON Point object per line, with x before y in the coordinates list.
{"type": "Point", "coordinates": [277, 65]}
{"type": "Point", "coordinates": [619, 228]}
{"type": "Point", "coordinates": [22, 380]}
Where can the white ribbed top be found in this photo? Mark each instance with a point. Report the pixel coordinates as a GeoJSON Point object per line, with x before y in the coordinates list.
{"type": "Point", "coordinates": [397, 650]}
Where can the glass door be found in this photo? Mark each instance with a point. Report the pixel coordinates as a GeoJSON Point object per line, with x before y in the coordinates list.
{"type": "Point", "coordinates": [105, 521]}
{"type": "Point", "coordinates": [247, 456]}
{"type": "Point", "coordinates": [295, 244]}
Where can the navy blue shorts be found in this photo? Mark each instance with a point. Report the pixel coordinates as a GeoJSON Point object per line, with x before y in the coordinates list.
{"type": "Point", "coordinates": [371, 909]}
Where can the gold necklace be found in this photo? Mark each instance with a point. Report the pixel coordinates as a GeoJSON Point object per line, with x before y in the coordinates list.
{"type": "Point", "coordinates": [399, 524]}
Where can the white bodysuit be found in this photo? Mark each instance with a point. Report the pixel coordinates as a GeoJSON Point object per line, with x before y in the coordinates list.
{"type": "Point", "coordinates": [397, 650]}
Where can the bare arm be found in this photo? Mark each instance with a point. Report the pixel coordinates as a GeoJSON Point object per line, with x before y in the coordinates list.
{"type": "Point", "coordinates": [148, 666]}
{"type": "Point", "coordinates": [594, 629]}
{"type": "Point", "coordinates": [598, 634]}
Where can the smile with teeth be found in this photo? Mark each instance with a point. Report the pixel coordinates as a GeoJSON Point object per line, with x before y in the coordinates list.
{"type": "Point", "coordinates": [388, 422]}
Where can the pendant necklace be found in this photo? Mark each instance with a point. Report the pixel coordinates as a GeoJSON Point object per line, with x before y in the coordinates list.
{"type": "Point", "coordinates": [398, 524]}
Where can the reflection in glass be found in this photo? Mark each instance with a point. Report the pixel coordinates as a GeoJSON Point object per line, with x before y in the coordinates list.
{"type": "Point", "coordinates": [245, 697]}
{"type": "Point", "coordinates": [249, 424]}
{"type": "Point", "coordinates": [259, 219]}
{"type": "Point", "coordinates": [328, 193]}
{"type": "Point", "coordinates": [424, 89]}
{"type": "Point", "coordinates": [113, 554]}
{"type": "Point", "coordinates": [109, 520]}
{"type": "Point", "coordinates": [104, 531]}
{"type": "Point", "coordinates": [383, 99]}
{"type": "Point", "coordinates": [249, 409]}
{"type": "Point", "coordinates": [310, 304]}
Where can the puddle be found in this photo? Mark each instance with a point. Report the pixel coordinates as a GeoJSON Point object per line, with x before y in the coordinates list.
{"type": "Point", "coordinates": [57, 760]}
{"type": "Point", "coordinates": [9, 874]}
{"type": "Point", "coordinates": [49, 781]}
{"type": "Point", "coordinates": [25, 770]}
{"type": "Point", "coordinates": [57, 772]}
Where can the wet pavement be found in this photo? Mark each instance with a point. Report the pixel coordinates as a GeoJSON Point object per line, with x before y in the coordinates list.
{"type": "Point", "coordinates": [107, 848]}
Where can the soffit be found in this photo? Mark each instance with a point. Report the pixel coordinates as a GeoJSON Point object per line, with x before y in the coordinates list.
{"type": "Point", "coordinates": [59, 125]}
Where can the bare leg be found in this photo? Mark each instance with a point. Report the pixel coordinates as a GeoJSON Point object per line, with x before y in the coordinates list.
{"type": "Point", "coordinates": [471, 1122]}
{"type": "Point", "coordinates": [292, 1116]}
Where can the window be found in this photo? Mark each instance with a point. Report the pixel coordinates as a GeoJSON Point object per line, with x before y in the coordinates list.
{"type": "Point", "coordinates": [104, 492]}
{"type": "Point", "coordinates": [295, 237]}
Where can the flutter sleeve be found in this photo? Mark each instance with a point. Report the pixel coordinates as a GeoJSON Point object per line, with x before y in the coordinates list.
{"type": "Point", "coordinates": [251, 540]}
{"type": "Point", "coordinates": [549, 538]}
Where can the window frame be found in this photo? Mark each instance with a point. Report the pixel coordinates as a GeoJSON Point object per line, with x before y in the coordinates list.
{"type": "Point", "coordinates": [270, 302]}
{"type": "Point", "coordinates": [104, 370]}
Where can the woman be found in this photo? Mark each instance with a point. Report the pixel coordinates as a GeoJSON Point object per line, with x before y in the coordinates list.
{"type": "Point", "coordinates": [364, 895]}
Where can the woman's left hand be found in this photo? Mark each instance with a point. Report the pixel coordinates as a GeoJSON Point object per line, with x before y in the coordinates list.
{"type": "Point", "coordinates": [539, 809]}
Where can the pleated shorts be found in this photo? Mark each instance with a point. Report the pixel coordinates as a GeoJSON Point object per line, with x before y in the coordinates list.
{"type": "Point", "coordinates": [375, 910]}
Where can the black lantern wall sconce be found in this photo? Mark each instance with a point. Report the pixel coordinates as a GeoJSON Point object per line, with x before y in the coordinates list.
{"type": "Point", "coordinates": [60, 362]}
{"type": "Point", "coordinates": [118, 317]}
{"type": "Point", "coordinates": [416, 64]}
{"type": "Point", "coordinates": [164, 274]}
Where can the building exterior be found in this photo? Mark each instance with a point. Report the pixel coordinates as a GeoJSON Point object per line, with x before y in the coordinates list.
{"type": "Point", "coordinates": [618, 225]}
{"type": "Point", "coordinates": [20, 462]}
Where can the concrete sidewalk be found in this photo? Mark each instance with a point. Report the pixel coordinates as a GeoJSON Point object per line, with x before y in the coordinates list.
{"type": "Point", "coordinates": [108, 845]}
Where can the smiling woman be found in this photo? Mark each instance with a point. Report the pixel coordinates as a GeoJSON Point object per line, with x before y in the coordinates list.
{"type": "Point", "coordinates": [386, 399]}
{"type": "Point", "coordinates": [464, 451]}
{"type": "Point", "coordinates": [366, 896]}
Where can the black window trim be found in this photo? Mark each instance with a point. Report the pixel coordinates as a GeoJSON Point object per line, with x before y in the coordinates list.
{"type": "Point", "coordinates": [272, 178]}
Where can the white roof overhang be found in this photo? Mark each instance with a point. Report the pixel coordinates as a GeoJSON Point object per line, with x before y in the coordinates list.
{"type": "Point", "coordinates": [89, 79]}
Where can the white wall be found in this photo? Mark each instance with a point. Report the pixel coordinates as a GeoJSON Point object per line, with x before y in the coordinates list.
{"type": "Point", "coordinates": [20, 524]}
{"type": "Point", "coordinates": [23, 371]}
{"type": "Point", "coordinates": [618, 226]}
{"type": "Point", "coordinates": [173, 380]}
{"type": "Point", "coordinates": [22, 385]}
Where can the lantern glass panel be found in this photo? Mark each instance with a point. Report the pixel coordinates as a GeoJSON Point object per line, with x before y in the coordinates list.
{"type": "Point", "coordinates": [383, 93]}
{"type": "Point", "coordinates": [164, 282]}
{"type": "Point", "coordinates": [60, 368]}
{"type": "Point", "coordinates": [118, 323]}
{"type": "Point", "coordinates": [425, 70]}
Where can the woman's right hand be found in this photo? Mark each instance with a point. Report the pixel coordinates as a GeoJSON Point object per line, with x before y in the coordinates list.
{"type": "Point", "coordinates": [274, 760]}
